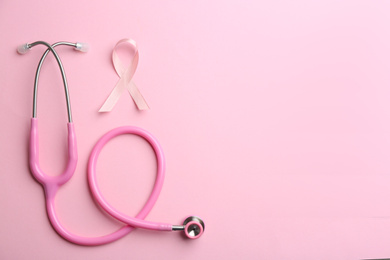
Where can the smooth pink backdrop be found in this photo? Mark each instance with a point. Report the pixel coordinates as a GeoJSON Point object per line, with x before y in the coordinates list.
{"type": "Point", "coordinates": [274, 117]}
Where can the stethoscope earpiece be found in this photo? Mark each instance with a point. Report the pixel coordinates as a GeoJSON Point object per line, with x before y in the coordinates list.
{"type": "Point", "coordinates": [78, 46]}
{"type": "Point", "coordinates": [82, 46]}
{"type": "Point", "coordinates": [22, 49]}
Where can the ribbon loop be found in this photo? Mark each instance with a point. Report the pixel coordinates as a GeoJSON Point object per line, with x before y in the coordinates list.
{"type": "Point", "coordinates": [125, 80]}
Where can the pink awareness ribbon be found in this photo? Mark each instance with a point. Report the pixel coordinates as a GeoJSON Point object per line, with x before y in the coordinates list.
{"type": "Point", "coordinates": [125, 82]}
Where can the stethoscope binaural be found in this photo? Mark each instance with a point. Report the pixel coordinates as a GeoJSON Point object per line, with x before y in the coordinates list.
{"type": "Point", "coordinates": [193, 226]}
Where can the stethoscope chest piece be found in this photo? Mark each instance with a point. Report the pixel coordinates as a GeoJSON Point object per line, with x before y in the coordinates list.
{"type": "Point", "coordinates": [193, 227]}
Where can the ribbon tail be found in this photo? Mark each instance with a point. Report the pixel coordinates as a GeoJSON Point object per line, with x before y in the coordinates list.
{"type": "Point", "coordinates": [139, 100]}
{"type": "Point", "coordinates": [113, 97]}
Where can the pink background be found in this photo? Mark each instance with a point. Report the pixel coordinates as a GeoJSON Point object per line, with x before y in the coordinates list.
{"type": "Point", "coordinates": [274, 117]}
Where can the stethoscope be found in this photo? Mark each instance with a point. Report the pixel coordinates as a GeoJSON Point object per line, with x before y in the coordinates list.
{"type": "Point", "coordinates": [192, 226]}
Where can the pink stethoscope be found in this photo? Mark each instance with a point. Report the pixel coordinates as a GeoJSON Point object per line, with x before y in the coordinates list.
{"type": "Point", "coordinates": [193, 226]}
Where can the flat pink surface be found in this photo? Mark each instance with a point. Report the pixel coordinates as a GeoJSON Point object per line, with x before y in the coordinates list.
{"type": "Point", "coordinates": [274, 117]}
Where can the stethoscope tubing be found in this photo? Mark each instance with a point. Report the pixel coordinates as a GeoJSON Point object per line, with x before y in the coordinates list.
{"type": "Point", "coordinates": [52, 184]}
{"type": "Point", "coordinates": [138, 220]}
